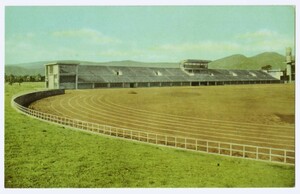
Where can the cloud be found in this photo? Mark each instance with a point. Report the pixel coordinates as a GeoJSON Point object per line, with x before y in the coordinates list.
{"type": "Point", "coordinates": [92, 45]}
{"type": "Point", "coordinates": [264, 40]}
{"type": "Point", "coordinates": [249, 44]}
{"type": "Point", "coordinates": [260, 34]}
{"type": "Point", "coordinates": [211, 46]}
{"type": "Point", "coordinates": [85, 34]}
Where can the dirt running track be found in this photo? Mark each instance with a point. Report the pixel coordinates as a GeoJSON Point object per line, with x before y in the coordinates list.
{"type": "Point", "coordinates": [262, 117]}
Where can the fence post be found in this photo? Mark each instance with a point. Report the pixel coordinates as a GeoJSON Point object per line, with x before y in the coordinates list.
{"type": "Point", "coordinates": [270, 154]}
{"type": "Point", "coordinates": [155, 138]}
{"type": "Point", "coordinates": [219, 147]}
{"type": "Point", "coordinates": [230, 149]}
{"type": "Point", "coordinates": [256, 153]}
{"type": "Point", "coordinates": [185, 143]}
{"type": "Point", "coordinates": [196, 145]}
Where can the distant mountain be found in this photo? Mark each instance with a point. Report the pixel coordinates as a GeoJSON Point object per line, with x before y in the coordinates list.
{"type": "Point", "coordinates": [256, 62]}
{"type": "Point", "coordinates": [16, 70]}
{"type": "Point", "coordinates": [39, 67]}
{"type": "Point", "coordinates": [276, 60]}
{"type": "Point", "coordinates": [232, 62]}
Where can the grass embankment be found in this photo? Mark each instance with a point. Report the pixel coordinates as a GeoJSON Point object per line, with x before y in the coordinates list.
{"type": "Point", "coordinates": [39, 154]}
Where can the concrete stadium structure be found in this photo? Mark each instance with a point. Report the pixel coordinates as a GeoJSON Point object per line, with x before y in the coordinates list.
{"type": "Point", "coordinates": [189, 73]}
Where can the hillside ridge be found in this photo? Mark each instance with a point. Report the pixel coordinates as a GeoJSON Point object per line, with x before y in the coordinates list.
{"type": "Point", "coordinates": [236, 61]}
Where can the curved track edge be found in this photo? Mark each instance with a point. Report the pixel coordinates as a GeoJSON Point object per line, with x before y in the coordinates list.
{"type": "Point", "coordinates": [283, 156]}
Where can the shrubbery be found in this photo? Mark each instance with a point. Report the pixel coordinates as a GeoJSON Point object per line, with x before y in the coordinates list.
{"type": "Point", "coordinates": [11, 79]}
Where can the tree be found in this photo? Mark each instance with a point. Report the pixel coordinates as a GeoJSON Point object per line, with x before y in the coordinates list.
{"type": "Point", "coordinates": [266, 67]}
{"type": "Point", "coordinates": [38, 78]}
{"type": "Point", "coordinates": [11, 79]}
{"type": "Point", "coordinates": [19, 80]}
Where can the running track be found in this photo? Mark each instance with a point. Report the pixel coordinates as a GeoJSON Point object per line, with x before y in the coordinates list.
{"type": "Point", "coordinates": [97, 108]}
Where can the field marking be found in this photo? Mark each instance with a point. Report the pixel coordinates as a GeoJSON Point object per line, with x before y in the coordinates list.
{"type": "Point", "coordinates": [184, 120]}
{"type": "Point", "coordinates": [214, 137]}
{"type": "Point", "coordinates": [207, 126]}
{"type": "Point", "coordinates": [170, 123]}
{"type": "Point", "coordinates": [208, 120]}
{"type": "Point", "coordinates": [80, 115]}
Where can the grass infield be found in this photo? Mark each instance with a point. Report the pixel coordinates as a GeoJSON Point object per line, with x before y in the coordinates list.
{"type": "Point", "coordinates": [43, 155]}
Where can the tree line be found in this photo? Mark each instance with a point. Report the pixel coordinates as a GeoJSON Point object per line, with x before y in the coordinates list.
{"type": "Point", "coordinates": [11, 79]}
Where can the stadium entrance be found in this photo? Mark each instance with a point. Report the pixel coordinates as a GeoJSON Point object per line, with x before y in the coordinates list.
{"type": "Point", "coordinates": [195, 83]}
{"type": "Point", "coordinates": [131, 85]}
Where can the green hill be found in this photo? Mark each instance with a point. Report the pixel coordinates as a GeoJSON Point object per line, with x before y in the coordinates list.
{"type": "Point", "coordinates": [256, 62]}
{"type": "Point", "coordinates": [38, 67]}
{"type": "Point", "coordinates": [17, 70]}
{"type": "Point", "coordinates": [232, 62]}
{"type": "Point", "coordinates": [276, 60]}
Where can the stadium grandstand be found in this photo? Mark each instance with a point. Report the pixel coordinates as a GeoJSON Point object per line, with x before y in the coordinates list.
{"type": "Point", "coordinates": [189, 73]}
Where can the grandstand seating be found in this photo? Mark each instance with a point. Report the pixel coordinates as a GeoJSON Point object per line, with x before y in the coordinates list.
{"type": "Point", "coordinates": [98, 70]}
{"type": "Point", "coordinates": [155, 76]}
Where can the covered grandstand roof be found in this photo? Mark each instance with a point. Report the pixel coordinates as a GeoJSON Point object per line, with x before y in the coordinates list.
{"type": "Point", "coordinates": [195, 61]}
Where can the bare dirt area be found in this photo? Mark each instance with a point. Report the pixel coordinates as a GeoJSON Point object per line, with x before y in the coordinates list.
{"type": "Point", "coordinates": [258, 115]}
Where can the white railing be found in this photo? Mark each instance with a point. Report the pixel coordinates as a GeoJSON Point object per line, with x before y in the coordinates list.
{"type": "Point", "coordinates": [199, 145]}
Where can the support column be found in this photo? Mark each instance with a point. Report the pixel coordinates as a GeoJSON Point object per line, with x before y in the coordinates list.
{"type": "Point", "coordinates": [76, 79]}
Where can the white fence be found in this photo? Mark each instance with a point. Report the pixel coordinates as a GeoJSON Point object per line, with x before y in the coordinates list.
{"type": "Point", "coordinates": [200, 145]}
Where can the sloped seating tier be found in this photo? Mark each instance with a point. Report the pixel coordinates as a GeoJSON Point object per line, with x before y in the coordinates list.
{"type": "Point", "coordinates": [118, 74]}
{"type": "Point", "coordinates": [97, 70]}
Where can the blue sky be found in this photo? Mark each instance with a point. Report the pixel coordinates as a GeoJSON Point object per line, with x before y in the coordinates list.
{"type": "Point", "coordinates": [145, 33]}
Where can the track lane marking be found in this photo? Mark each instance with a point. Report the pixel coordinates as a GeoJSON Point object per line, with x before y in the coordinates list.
{"type": "Point", "coordinates": [205, 127]}
{"type": "Point", "coordinates": [202, 119]}
{"type": "Point", "coordinates": [159, 129]}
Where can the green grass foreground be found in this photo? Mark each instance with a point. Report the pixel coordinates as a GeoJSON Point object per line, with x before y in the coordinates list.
{"type": "Point", "coordinates": [43, 155]}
